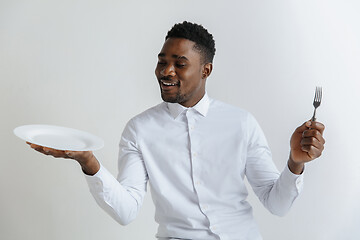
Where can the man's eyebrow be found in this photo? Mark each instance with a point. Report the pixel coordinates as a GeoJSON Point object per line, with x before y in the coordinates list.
{"type": "Point", "coordinates": [180, 57]}
{"type": "Point", "coordinates": [173, 56]}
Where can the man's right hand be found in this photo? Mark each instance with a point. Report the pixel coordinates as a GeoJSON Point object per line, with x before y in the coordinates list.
{"type": "Point", "coordinates": [89, 164]}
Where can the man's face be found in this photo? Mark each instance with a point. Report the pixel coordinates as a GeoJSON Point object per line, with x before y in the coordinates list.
{"type": "Point", "coordinates": [180, 72]}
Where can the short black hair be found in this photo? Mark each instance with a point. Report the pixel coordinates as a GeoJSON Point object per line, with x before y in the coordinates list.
{"type": "Point", "coordinates": [204, 41]}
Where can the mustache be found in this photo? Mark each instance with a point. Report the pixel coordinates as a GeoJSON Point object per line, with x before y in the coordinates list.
{"type": "Point", "coordinates": [166, 78]}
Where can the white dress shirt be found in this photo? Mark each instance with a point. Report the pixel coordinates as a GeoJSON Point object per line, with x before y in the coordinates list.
{"type": "Point", "coordinates": [195, 160]}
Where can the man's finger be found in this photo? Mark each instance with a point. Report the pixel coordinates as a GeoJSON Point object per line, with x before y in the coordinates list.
{"type": "Point", "coordinates": [76, 155]}
{"type": "Point", "coordinates": [313, 133]}
{"type": "Point", "coordinates": [36, 147]}
{"type": "Point", "coordinates": [312, 141]}
{"type": "Point", "coordinates": [312, 151]}
{"type": "Point", "coordinates": [55, 152]}
{"type": "Point", "coordinates": [48, 151]}
{"type": "Point", "coordinates": [33, 145]}
{"type": "Point", "coordinates": [318, 126]}
{"type": "Point", "coordinates": [303, 127]}
{"type": "Point", "coordinates": [40, 150]}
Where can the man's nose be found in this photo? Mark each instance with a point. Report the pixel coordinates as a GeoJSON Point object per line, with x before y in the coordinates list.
{"type": "Point", "coordinates": [168, 70]}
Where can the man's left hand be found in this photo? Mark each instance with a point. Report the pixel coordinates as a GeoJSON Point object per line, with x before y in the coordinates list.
{"type": "Point", "coordinates": [307, 144]}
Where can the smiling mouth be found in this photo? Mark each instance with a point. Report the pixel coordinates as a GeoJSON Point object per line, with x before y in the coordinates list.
{"type": "Point", "coordinates": [168, 84]}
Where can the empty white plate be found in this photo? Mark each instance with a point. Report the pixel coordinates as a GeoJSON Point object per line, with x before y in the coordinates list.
{"type": "Point", "coordinates": [60, 138]}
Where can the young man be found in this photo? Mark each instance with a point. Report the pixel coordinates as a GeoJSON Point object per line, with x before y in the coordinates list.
{"type": "Point", "coordinates": [195, 152]}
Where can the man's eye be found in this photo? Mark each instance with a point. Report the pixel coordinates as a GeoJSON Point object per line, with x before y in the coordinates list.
{"type": "Point", "coordinates": [161, 63]}
{"type": "Point", "coordinates": [180, 65]}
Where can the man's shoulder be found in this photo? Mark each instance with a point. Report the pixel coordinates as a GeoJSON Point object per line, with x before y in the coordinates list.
{"type": "Point", "coordinates": [153, 112]}
{"type": "Point", "coordinates": [232, 114]}
{"type": "Point", "coordinates": [227, 109]}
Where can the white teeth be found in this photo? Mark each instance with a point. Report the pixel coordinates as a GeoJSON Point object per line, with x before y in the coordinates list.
{"type": "Point", "coordinates": [168, 84]}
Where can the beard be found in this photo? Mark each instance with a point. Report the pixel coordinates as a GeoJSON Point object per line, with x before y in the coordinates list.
{"type": "Point", "coordinates": [177, 98]}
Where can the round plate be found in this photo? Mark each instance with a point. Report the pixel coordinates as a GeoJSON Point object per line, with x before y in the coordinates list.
{"type": "Point", "coordinates": [60, 138]}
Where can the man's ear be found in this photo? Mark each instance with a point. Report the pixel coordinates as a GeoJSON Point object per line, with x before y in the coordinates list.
{"type": "Point", "coordinates": [207, 69]}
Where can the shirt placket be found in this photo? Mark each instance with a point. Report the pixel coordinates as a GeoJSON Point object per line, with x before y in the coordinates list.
{"type": "Point", "coordinates": [198, 182]}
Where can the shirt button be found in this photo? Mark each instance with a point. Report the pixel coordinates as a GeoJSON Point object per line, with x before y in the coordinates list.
{"type": "Point", "coordinates": [212, 228]}
{"type": "Point", "coordinates": [194, 154]}
{"type": "Point", "coordinates": [197, 182]}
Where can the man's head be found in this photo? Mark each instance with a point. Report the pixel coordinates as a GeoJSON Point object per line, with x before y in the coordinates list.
{"type": "Point", "coordinates": [185, 61]}
{"type": "Point", "coordinates": [204, 41]}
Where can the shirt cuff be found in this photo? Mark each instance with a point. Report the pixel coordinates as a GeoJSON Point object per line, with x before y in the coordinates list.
{"type": "Point", "coordinates": [100, 180]}
{"type": "Point", "coordinates": [293, 180]}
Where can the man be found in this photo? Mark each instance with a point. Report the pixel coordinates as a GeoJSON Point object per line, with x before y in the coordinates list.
{"type": "Point", "coordinates": [195, 152]}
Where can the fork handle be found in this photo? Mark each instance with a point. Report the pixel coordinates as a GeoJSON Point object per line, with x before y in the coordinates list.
{"type": "Point", "coordinates": [313, 117]}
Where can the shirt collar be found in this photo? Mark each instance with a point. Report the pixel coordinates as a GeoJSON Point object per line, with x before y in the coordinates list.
{"type": "Point", "coordinates": [201, 107]}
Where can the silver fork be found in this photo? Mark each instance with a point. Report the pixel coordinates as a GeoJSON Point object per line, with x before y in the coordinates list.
{"type": "Point", "coordinates": [317, 101]}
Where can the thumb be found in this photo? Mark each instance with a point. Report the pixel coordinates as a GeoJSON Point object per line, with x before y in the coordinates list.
{"type": "Point", "coordinates": [306, 125]}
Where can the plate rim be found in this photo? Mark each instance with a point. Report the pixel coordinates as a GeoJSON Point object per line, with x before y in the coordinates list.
{"type": "Point", "coordinates": [99, 142]}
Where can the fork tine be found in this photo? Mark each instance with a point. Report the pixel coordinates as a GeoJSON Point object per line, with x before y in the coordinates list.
{"type": "Point", "coordinates": [318, 94]}
{"type": "Point", "coordinates": [317, 100]}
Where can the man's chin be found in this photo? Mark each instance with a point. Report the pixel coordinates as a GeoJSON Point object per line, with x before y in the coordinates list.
{"type": "Point", "coordinates": [170, 99]}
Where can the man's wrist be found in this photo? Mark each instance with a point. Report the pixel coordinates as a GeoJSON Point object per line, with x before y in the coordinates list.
{"type": "Point", "coordinates": [294, 167]}
{"type": "Point", "coordinates": [90, 166]}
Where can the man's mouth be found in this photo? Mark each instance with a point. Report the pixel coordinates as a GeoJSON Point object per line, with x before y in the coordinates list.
{"type": "Point", "coordinates": [167, 84]}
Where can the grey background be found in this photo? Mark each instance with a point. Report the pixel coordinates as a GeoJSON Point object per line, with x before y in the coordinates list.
{"type": "Point", "coordinates": [90, 65]}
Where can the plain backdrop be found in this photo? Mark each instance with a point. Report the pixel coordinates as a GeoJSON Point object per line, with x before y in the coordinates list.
{"type": "Point", "coordinates": [90, 65]}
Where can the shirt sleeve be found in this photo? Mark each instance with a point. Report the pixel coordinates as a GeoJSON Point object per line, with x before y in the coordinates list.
{"type": "Point", "coordinates": [122, 198]}
{"type": "Point", "coordinates": [277, 191]}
